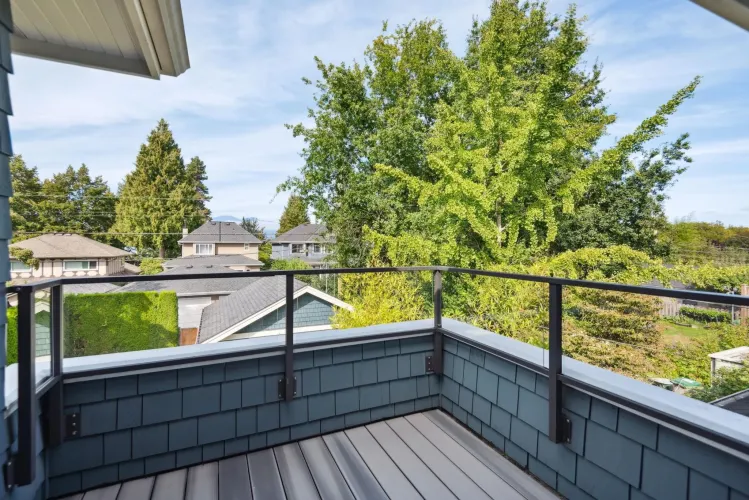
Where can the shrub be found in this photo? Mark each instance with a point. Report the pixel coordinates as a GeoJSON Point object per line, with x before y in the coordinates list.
{"type": "Point", "coordinates": [11, 355]}
{"type": "Point", "coordinates": [727, 381]}
{"type": "Point", "coordinates": [150, 265]}
{"type": "Point", "coordinates": [119, 322]}
{"type": "Point", "coordinates": [705, 315]}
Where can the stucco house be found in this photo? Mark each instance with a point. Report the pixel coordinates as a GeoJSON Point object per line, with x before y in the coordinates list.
{"type": "Point", "coordinates": [309, 242]}
{"type": "Point", "coordinates": [62, 254]}
{"type": "Point", "coordinates": [259, 309]}
{"type": "Point", "coordinates": [219, 238]}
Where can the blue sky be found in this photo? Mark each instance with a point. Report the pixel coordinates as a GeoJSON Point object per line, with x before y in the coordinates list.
{"type": "Point", "coordinates": [248, 57]}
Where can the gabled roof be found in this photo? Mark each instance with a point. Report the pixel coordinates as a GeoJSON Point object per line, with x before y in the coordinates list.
{"type": "Point", "coordinates": [220, 232]}
{"type": "Point", "coordinates": [144, 37]}
{"type": "Point", "coordinates": [737, 402]}
{"type": "Point", "coordinates": [213, 260]}
{"type": "Point", "coordinates": [195, 287]}
{"type": "Point", "coordinates": [259, 298]}
{"type": "Point", "coordinates": [68, 246]}
{"type": "Point", "coordinates": [305, 233]}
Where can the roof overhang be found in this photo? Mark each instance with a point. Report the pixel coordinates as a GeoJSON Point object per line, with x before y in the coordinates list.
{"type": "Point", "coordinates": [735, 11]}
{"type": "Point", "coordinates": [137, 37]}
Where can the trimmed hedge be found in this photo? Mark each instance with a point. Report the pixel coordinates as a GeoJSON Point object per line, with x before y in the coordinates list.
{"type": "Point", "coordinates": [119, 322]}
{"type": "Point", "coordinates": [705, 315]}
{"type": "Point", "coordinates": [105, 323]}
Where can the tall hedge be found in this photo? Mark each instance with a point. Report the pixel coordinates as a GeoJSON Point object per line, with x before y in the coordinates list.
{"type": "Point", "coordinates": [11, 353]}
{"type": "Point", "coordinates": [119, 322]}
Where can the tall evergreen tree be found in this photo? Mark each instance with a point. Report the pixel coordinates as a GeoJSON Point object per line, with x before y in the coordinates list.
{"type": "Point", "coordinates": [74, 202]}
{"type": "Point", "coordinates": [252, 226]}
{"type": "Point", "coordinates": [196, 171]}
{"type": "Point", "coordinates": [158, 197]}
{"type": "Point", "coordinates": [24, 210]}
{"type": "Point", "coordinates": [294, 214]}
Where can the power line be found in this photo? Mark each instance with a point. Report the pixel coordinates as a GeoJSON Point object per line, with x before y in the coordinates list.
{"type": "Point", "coordinates": [125, 234]}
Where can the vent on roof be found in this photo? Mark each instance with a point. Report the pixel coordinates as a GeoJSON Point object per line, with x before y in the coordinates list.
{"type": "Point", "coordinates": [227, 223]}
{"type": "Point", "coordinates": [188, 267]}
{"type": "Point", "coordinates": [213, 223]}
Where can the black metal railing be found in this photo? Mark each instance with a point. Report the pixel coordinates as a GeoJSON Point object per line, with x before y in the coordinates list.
{"type": "Point", "coordinates": [20, 469]}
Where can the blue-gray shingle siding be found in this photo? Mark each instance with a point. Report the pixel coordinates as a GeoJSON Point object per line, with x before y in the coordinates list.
{"type": "Point", "coordinates": [228, 409]}
{"type": "Point", "coordinates": [308, 311]}
{"type": "Point", "coordinates": [614, 454]}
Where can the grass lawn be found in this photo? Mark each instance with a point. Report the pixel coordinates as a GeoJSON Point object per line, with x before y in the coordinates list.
{"type": "Point", "coordinates": [683, 333]}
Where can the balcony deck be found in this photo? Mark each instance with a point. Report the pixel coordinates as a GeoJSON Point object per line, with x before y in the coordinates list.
{"type": "Point", "coordinates": [423, 455]}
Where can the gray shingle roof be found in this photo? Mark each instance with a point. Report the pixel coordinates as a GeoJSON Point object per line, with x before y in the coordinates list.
{"type": "Point", "coordinates": [68, 246]}
{"type": "Point", "coordinates": [737, 402]}
{"type": "Point", "coordinates": [214, 260]}
{"type": "Point", "coordinates": [220, 232]}
{"type": "Point", "coordinates": [305, 233]}
{"type": "Point", "coordinates": [240, 305]}
{"type": "Point", "coordinates": [191, 286]}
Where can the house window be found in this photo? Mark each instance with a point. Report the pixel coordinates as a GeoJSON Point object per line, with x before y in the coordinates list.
{"type": "Point", "coordinates": [203, 248]}
{"type": "Point", "coordinates": [316, 248]}
{"type": "Point", "coordinates": [297, 248]}
{"type": "Point", "coordinates": [80, 265]}
{"type": "Point", "coordinates": [18, 266]}
{"type": "Point", "coordinates": [246, 246]}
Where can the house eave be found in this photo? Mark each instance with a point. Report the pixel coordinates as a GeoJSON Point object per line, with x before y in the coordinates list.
{"type": "Point", "coordinates": [735, 11]}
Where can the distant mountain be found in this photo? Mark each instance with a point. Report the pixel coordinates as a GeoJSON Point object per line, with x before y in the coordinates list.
{"type": "Point", "coordinates": [227, 218]}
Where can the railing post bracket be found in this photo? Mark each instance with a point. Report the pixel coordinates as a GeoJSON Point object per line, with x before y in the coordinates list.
{"type": "Point", "coordinates": [282, 387]}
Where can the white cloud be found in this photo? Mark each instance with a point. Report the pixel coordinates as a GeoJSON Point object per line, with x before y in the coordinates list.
{"type": "Point", "coordinates": [729, 147]}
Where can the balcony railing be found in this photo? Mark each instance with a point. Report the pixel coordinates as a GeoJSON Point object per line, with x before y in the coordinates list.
{"type": "Point", "coordinates": [556, 373]}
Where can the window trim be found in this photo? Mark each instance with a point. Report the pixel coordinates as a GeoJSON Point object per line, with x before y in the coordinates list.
{"type": "Point", "coordinates": [212, 247]}
{"type": "Point", "coordinates": [246, 246]}
{"type": "Point", "coordinates": [317, 248]}
{"type": "Point", "coordinates": [27, 269]}
{"type": "Point", "coordinates": [299, 245]}
{"type": "Point", "coordinates": [89, 268]}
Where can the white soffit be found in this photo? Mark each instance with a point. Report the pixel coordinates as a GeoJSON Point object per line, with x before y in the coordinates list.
{"type": "Point", "coordinates": [138, 37]}
{"type": "Point", "coordinates": [736, 11]}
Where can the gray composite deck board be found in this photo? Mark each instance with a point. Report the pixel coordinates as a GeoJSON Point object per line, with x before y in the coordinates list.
{"type": "Point", "coordinates": [525, 485]}
{"type": "Point", "coordinates": [392, 480]}
{"type": "Point", "coordinates": [422, 478]}
{"type": "Point", "coordinates": [234, 479]}
{"type": "Point", "coordinates": [170, 486]}
{"type": "Point", "coordinates": [202, 482]}
{"type": "Point", "coordinates": [360, 479]}
{"type": "Point", "coordinates": [455, 479]}
{"type": "Point", "coordinates": [420, 456]}
{"type": "Point", "coordinates": [326, 474]}
{"type": "Point", "coordinates": [266, 481]}
{"type": "Point", "coordinates": [137, 489]}
{"type": "Point", "coordinates": [295, 475]}
{"type": "Point", "coordinates": [106, 493]}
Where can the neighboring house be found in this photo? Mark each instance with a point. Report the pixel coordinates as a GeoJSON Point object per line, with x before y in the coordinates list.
{"type": "Point", "coordinates": [220, 238]}
{"type": "Point", "coordinates": [259, 309]}
{"type": "Point", "coordinates": [730, 358]}
{"type": "Point", "coordinates": [737, 402]}
{"type": "Point", "coordinates": [233, 262]}
{"type": "Point", "coordinates": [192, 294]}
{"type": "Point", "coordinates": [308, 242]}
{"type": "Point", "coordinates": [69, 255]}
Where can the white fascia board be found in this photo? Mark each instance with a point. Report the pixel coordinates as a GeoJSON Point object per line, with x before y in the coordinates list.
{"type": "Point", "coordinates": [276, 305]}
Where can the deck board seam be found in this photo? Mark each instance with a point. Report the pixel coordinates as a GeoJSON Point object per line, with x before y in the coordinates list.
{"type": "Point", "coordinates": [394, 462]}
{"type": "Point", "coordinates": [314, 481]}
{"type": "Point", "coordinates": [454, 465]}
{"type": "Point", "coordinates": [371, 472]}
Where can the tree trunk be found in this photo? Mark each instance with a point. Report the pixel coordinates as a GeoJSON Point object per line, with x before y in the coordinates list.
{"type": "Point", "coordinates": [499, 227]}
{"type": "Point", "coordinates": [162, 252]}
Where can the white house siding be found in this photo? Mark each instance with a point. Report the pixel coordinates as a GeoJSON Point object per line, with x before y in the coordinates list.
{"type": "Point", "coordinates": [190, 309]}
{"type": "Point", "coordinates": [54, 268]}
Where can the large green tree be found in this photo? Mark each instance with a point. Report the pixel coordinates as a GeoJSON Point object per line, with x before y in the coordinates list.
{"type": "Point", "coordinates": [627, 210]}
{"type": "Point", "coordinates": [158, 197]}
{"type": "Point", "coordinates": [196, 172]}
{"type": "Point", "coordinates": [463, 160]}
{"type": "Point", "coordinates": [294, 214]}
{"type": "Point", "coordinates": [73, 201]}
{"type": "Point", "coordinates": [24, 209]}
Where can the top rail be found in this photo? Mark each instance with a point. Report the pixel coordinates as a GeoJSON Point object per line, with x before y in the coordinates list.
{"type": "Point", "coordinates": [715, 297]}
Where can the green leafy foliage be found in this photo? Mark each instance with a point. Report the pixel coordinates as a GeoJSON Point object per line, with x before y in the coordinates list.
{"type": "Point", "coordinates": [24, 255]}
{"type": "Point", "coordinates": [11, 339]}
{"type": "Point", "coordinates": [705, 315]}
{"type": "Point", "coordinates": [71, 201]}
{"type": "Point", "coordinates": [294, 214]}
{"type": "Point", "coordinates": [119, 322]}
{"type": "Point", "coordinates": [161, 196]}
{"type": "Point", "coordinates": [252, 226]}
{"type": "Point", "coordinates": [150, 265]}
{"type": "Point", "coordinates": [727, 381]}
{"type": "Point", "coordinates": [475, 160]}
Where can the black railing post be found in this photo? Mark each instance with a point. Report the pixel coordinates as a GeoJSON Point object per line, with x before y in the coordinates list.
{"type": "Point", "coordinates": [438, 339]}
{"type": "Point", "coordinates": [55, 418]}
{"type": "Point", "coordinates": [556, 418]}
{"type": "Point", "coordinates": [289, 385]}
{"type": "Point", "coordinates": [25, 459]}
